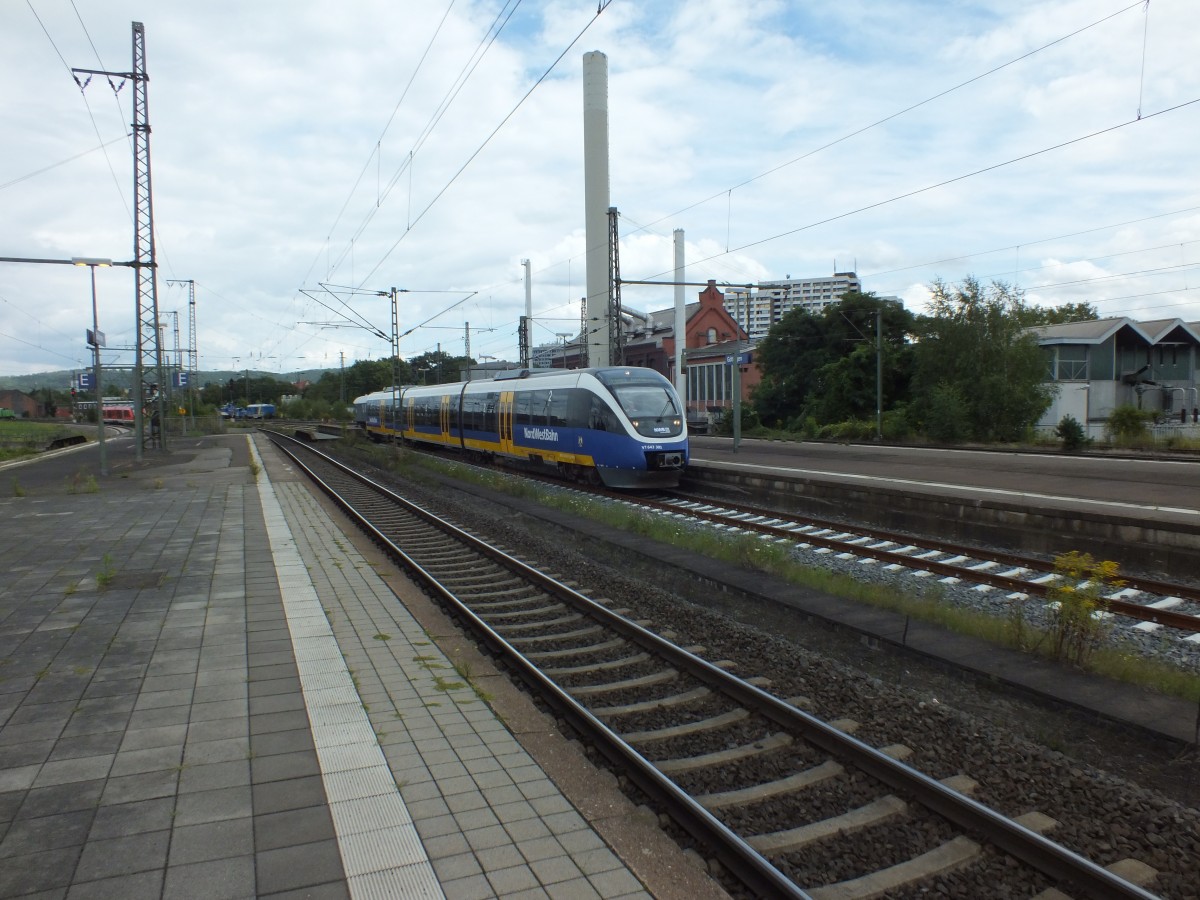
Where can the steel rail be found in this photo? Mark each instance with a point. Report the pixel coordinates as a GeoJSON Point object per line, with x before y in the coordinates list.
{"type": "Point", "coordinates": [746, 863]}
{"type": "Point", "coordinates": [1165, 617]}
{"type": "Point", "coordinates": [1048, 857]}
{"type": "Point", "coordinates": [1145, 583]}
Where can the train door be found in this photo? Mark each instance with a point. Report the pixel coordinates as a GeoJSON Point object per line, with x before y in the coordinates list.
{"type": "Point", "coordinates": [507, 403]}
{"type": "Point", "coordinates": [444, 418]}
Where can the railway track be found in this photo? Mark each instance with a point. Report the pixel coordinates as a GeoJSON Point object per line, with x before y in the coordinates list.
{"type": "Point", "coordinates": [789, 804]}
{"type": "Point", "coordinates": [1153, 603]}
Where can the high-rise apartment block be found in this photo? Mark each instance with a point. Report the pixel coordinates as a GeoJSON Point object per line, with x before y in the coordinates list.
{"type": "Point", "coordinates": [757, 310]}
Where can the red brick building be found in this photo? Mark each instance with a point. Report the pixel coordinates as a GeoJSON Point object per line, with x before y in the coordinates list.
{"type": "Point", "coordinates": [22, 405]}
{"type": "Point", "coordinates": [712, 340]}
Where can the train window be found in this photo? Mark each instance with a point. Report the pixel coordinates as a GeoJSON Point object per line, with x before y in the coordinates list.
{"type": "Point", "coordinates": [490, 423]}
{"type": "Point", "coordinates": [472, 413]}
{"type": "Point", "coordinates": [427, 411]}
{"type": "Point", "coordinates": [640, 400]}
{"type": "Point", "coordinates": [558, 411]}
{"type": "Point", "coordinates": [521, 407]}
{"type": "Point", "coordinates": [539, 407]}
{"type": "Point", "coordinates": [601, 418]}
{"type": "Point", "coordinates": [578, 404]}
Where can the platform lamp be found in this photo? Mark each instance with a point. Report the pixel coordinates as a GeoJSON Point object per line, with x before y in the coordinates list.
{"type": "Point", "coordinates": [95, 337]}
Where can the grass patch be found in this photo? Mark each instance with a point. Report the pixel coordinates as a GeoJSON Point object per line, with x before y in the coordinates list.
{"type": "Point", "coordinates": [464, 672]}
{"type": "Point", "coordinates": [107, 572]}
{"type": "Point", "coordinates": [82, 482]}
{"type": "Point", "coordinates": [445, 684]}
{"type": "Point", "coordinates": [22, 440]}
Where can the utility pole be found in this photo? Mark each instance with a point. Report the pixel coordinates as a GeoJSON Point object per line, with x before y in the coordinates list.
{"type": "Point", "coordinates": [467, 346]}
{"type": "Point", "coordinates": [526, 335]}
{"type": "Point", "coordinates": [97, 341]}
{"type": "Point", "coordinates": [616, 335]}
{"type": "Point", "coordinates": [737, 373]}
{"type": "Point", "coordinates": [175, 361]}
{"type": "Point", "coordinates": [879, 374]}
{"type": "Point", "coordinates": [395, 366]}
{"type": "Point", "coordinates": [192, 356]}
{"type": "Point", "coordinates": [149, 348]}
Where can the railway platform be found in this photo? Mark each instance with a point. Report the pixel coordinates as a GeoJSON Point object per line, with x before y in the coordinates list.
{"type": "Point", "coordinates": [208, 689]}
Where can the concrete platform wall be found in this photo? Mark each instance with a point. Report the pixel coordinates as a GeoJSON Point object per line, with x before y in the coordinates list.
{"type": "Point", "coordinates": [1138, 544]}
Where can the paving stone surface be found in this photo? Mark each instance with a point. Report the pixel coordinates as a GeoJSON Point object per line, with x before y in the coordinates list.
{"type": "Point", "coordinates": [168, 724]}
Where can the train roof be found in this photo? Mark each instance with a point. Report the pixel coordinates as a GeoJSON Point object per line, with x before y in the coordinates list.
{"type": "Point", "coordinates": [505, 379]}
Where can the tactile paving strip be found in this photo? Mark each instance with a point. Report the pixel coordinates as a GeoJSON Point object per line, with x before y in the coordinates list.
{"type": "Point", "coordinates": [381, 852]}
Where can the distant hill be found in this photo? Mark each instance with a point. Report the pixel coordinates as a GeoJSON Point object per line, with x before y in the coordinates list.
{"type": "Point", "coordinates": [61, 379]}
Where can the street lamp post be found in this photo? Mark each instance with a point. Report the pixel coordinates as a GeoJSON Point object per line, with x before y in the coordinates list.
{"type": "Point", "coordinates": [97, 341]}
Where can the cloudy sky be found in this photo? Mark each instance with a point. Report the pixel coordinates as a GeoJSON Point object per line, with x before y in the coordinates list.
{"type": "Point", "coordinates": [306, 155]}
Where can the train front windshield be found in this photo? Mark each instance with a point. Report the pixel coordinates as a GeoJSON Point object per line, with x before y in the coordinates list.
{"type": "Point", "coordinates": [651, 405]}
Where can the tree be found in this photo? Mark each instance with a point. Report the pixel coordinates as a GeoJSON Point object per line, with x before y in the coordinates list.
{"type": "Point", "coordinates": [365, 376]}
{"type": "Point", "coordinates": [788, 357]}
{"type": "Point", "coordinates": [254, 388]}
{"type": "Point", "coordinates": [439, 367]}
{"type": "Point", "coordinates": [1032, 316]}
{"type": "Point", "coordinates": [974, 349]}
{"type": "Point", "coordinates": [824, 366]}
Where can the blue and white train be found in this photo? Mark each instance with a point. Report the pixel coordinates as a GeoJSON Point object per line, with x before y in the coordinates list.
{"type": "Point", "coordinates": [623, 427]}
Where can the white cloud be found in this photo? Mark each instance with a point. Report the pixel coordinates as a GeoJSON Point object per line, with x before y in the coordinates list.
{"type": "Point", "coordinates": [273, 170]}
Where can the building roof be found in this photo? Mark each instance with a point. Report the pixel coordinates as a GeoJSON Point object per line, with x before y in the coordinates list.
{"type": "Point", "coordinates": [665, 318]}
{"type": "Point", "coordinates": [1160, 330]}
{"type": "Point", "coordinates": [1094, 331]}
{"type": "Point", "coordinates": [720, 349]}
{"type": "Point", "coordinates": [1097, 331]}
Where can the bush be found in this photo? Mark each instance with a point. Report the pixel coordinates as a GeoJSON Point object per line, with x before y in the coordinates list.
{"type": "Point", "coordinates": [1072, 435]}
{"type": "Point", "coordinates": [946, 417]}
{"type": "Point", "coordinates": [1076, 600]}
{"type": "Point", "coordinates": [853, 430]}
{"type": "Point", "coordinates": [750, 422]}
{"type": "Point", "coordinates": [805, 426]}
{"type": "Point", "coordinates": [896, 425]}
{"type": "Point", "coordinates": [1128, 423]}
